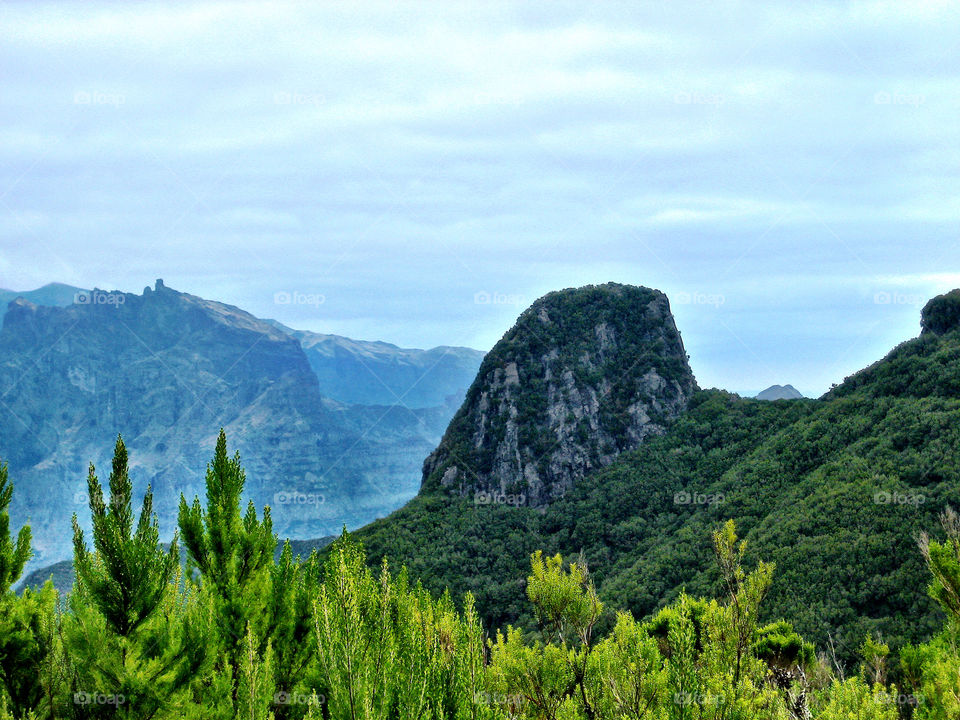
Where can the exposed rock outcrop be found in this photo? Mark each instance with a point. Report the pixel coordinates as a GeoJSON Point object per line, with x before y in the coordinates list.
{"type": "Point", "coordinates": [584, 375]}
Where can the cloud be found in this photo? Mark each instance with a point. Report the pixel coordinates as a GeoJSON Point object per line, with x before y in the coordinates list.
{"type": "Point", "coordinates": [399, 158]}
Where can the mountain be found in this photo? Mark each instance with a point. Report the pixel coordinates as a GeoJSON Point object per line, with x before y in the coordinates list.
{"type": "Point", "coordinates": [63, 576]}
{"type": "Point", "coordinates": [359, 372]}
{"type": "Point", "coordinates": [52, 294]}
{"type": "Point", "coordinates": [583, 376]}
{"type": "Point", "coordinates": [833, 490]}
{"type": "Point", "coordinates": [167, 370]}
{"type": "Point", "coordinates": [779, 392]}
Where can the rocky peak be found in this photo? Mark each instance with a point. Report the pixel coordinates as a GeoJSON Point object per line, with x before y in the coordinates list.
{"type": "Point", "coordinates": [941, 314]}
{"type": "Point", "coordinates": [584, 375]}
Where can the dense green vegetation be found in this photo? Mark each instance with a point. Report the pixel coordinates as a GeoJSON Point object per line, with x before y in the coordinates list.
{"type": "Point", "coordinates": [835, 491]}
{"type": "Point", "coordinates": [829, 607]}
{"type": "Point", "coordinates": [242, 635]}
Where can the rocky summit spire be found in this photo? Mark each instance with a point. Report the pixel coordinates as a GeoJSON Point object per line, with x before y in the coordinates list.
{"type": "Point", "coordinates": [584, 375]}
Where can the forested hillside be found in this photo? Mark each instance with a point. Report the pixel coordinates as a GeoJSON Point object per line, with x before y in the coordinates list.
{"type": "Point", "coordinates": [241, 634]}
{"type": "Point", "coordinates": [834, 491]}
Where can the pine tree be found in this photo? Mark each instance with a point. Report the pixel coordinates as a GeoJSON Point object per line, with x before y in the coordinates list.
{"type": "Point", "coordinates": [25, 647]}
{"type": "Point", "coordinates": [290, 626]}
{"type": "Point", "coordinates": [133, 638]}
{"type": "Point", "coordinates": [129, 574]}
{"type": "Point", "coordinates": [13, 554]}
{"type": "Point", "coordinates": [233, 555]}
{"type": "Point", "coordinates": [943, 560]}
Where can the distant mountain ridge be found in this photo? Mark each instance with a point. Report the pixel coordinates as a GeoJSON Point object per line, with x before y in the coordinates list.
{"type": "Point", "coordinates": [52, 294]}
{"type": "Point", "coordinates": [362, 372]}
{"type": "Point", "coordinates": [167, 370]}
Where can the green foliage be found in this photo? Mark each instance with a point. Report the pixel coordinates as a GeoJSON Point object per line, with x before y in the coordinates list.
{"type": "Point", "coordinates": [33, 663]}
{"type": "Point", "coordinates": [135, 643]}
{"type": "Point", "coordinates": [129, 573]}
{"type": "Point", "coordinates": [943, 560]}
{"type": "Point", "coordinates": [780, 647]}
{"type": "Point", "coordinates": [345, 641]}
{"type": "Point", "coordinates": [230, 559]}
{"type": "Point", "coordinates": [387, 650]}
{"type": "Point", "coordinates": [832, 491]}
{"type": "Point", "coordinates": [709, 671]}
{"type": "Point", "coordinates": [13, 553]}
{"type": "Point", "coordinates": [855, 699]}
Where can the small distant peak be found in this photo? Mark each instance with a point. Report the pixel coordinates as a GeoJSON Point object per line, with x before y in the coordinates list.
{"type": "Point", "coordinates": [779, 392]}
{"type": "Point", "coordinates": [159, 284]}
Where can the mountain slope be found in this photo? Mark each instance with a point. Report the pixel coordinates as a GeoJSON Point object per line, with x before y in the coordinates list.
{"type": "Point", "coordinates": [379, 373]}
{"type": "Point", "coordinates": [833, 490]}
{"type": "Point", "coordinates": [167, 370]}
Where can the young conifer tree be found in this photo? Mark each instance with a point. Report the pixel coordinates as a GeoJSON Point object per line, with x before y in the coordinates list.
{"type": "Point", "coordinates": [13, 553]}
{"type": "Point", "coordinates": [132, 636]}
{"type": "Point", "coordinates": [233, 555]}
{"type": "Point", "coordinates": [127, 577]}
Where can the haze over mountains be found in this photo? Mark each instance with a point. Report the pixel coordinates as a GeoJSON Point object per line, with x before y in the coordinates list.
{"type": "Point", "coordinates": [339, 444]}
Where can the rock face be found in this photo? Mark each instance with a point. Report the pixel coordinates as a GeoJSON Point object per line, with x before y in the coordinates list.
{"type": "Point", "coordinates": [583, 376]}
{"type": "Point", "coordinates": [167, 370]}
{"type": "Point", "coordinates": [779, 392]}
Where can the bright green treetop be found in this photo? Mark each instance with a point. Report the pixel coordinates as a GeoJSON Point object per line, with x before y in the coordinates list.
{"type": "Point", "coordinates": [130, 572]}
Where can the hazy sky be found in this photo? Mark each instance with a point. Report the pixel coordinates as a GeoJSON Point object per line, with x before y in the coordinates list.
{"type": "Point", "coordinates": [788, 173]}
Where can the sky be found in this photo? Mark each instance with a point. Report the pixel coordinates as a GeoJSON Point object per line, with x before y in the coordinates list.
{"type": "Point", "coordinates": [788, 173]}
